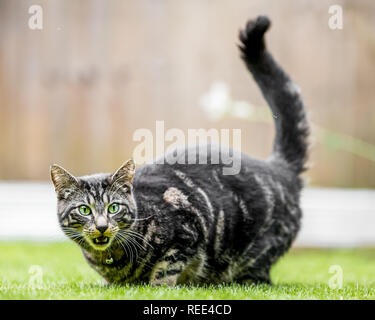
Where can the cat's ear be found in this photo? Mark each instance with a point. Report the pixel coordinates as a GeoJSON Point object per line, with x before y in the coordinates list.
{"type": "Point", "coordinates": [62, 179]}
{"type": "Point", "coordinates": [125, 173]}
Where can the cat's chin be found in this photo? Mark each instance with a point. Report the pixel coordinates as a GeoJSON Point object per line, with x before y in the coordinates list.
{"type": "Point", "coordinates": [100, 247]}
{"type": "Point", "coordinates": [101, 243]}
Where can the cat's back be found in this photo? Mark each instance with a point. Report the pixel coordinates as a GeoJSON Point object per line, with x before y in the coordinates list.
{"type": "Point", "coordinates": [212, 167]}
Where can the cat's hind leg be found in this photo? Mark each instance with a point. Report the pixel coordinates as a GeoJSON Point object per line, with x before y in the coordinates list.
{"type": "Point", "coordinates": [168, 269]}
{"type": "Point", "coordinates": [254, 277]}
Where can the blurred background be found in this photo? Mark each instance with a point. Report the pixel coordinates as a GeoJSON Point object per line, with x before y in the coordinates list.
{"type": "Point", "coordinates": [74, 92]}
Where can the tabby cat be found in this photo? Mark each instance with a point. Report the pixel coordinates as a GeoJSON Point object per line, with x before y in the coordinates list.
{"type": "Point", "coordinates": [189, 223]}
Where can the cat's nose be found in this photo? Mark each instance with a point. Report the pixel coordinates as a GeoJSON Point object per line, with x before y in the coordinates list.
{"type": "Point", "coordinates": [102, 228]}
{"type": "Point", "coordinates": [101, 224]}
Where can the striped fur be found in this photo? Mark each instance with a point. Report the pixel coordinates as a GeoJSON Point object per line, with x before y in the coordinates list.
{"type": "Point", "coordinates": [190, 224]}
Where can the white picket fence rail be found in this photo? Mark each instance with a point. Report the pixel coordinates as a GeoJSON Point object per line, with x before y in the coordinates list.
{"type": "Point", "coordinates": [332, 217]}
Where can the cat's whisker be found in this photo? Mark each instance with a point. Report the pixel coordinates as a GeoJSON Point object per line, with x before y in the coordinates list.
{"type": "Point", "coordinates": [131, 244]}
{"type": "Point", "coordinates": [120, 243]}
{"type": "Point", "coordinates": [123, 246]}
{"type": "Point", "coordinates": [134, 240]}
{"type": "Point", "coordinates": [124, 242]}
{"type": "Point", "coordinates": [138, 235]}
{"type": "Point", "coordinates": [125, 238]}
{"type": "Point", "coordinates": [130, 250]}
{"type": "Point", "coordinates": [73, 235]}
{"type": "Point", "coordinates": [141, 219]}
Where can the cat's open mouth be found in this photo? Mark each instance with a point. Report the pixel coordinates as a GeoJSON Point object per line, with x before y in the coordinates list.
{"type": "Point", "coordinates": [102, 240]}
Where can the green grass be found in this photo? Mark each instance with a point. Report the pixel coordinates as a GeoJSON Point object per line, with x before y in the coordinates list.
{"type": "Point", "coordinates": [301, 274]}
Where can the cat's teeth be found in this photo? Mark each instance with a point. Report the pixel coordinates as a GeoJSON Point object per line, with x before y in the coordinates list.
{"type": "Point", "coordinates": [105, 241]}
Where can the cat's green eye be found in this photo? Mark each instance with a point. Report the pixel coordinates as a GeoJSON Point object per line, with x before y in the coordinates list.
{"type": "Point", "coordinates": [84, 210]}
{"type": "Point", "coordinates": [113, 208]}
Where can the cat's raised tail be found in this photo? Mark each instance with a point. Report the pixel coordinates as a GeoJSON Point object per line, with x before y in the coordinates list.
{"type": "Point", "coordinates": [282, 95]}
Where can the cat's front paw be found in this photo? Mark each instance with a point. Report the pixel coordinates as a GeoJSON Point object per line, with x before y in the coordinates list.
{"type": "Point", "coordinates": [252, 37]}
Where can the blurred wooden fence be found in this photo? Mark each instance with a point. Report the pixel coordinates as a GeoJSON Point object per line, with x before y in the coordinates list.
{"type": "Point", "coordinates": [74, 92]}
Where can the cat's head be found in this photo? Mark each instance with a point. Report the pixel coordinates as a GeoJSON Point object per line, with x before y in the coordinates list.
{"type": "Point", "coordinates": [94, 210]}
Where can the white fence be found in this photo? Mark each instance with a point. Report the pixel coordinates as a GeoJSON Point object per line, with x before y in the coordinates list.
{"type": "Point", "coordinates": [332, 217]}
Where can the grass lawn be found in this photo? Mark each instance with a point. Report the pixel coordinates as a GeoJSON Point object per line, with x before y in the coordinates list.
{"type": "Point", "coordinates": [301, 274]}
